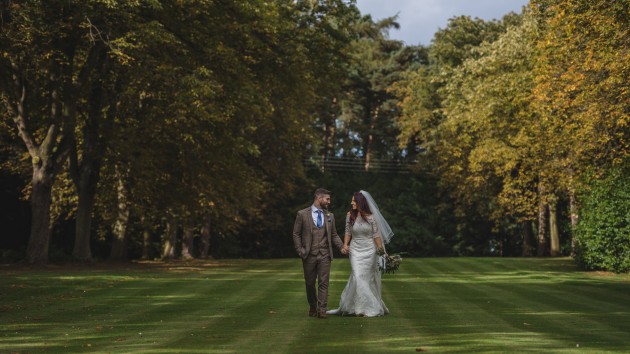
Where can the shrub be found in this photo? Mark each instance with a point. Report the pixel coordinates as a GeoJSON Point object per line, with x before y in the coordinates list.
{"type": "Point", "coordinates": [603, 233]}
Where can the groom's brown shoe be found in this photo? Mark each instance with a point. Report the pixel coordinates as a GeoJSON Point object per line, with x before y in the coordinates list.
{"type": "Point", "coordinates": [322, 315]}
{"type": "Point", "coordinates": [312, 312]}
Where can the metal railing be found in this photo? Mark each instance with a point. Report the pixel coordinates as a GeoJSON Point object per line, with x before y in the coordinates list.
{"type": "Point", "coordinates": [357, 164]}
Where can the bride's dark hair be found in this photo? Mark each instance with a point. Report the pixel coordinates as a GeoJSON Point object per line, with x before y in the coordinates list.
{"type": "Point", "coordinates": [362, 207]}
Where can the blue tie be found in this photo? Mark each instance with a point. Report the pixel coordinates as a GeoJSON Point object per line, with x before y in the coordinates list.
{"type": "Point", "coordinates": [319, 218]}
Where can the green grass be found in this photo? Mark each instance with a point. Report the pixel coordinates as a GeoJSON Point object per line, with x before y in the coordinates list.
{"type": "Point", "coordinates": [245, 306]}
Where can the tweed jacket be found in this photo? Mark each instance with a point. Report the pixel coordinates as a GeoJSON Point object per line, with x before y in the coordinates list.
{"type": "Point", "coordinates": [303, 235]}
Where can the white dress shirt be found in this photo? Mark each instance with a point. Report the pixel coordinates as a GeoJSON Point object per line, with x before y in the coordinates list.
{"type": "Point", "coordinates": [314, 210]}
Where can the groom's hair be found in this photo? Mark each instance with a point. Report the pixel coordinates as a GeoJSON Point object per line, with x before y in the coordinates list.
{"type": "Point", "coordinates": [321, 191]}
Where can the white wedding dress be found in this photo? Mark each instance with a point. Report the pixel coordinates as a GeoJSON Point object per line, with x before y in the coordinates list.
{"type": "Point", "coordinates": [362, 294]}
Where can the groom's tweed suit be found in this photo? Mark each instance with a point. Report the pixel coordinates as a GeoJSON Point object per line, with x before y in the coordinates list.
{"type": "Point", "coordinates": [314, 246]}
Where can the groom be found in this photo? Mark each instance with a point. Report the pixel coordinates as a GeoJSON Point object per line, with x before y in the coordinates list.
{"type": "Point", "coordinates": [314, 233]}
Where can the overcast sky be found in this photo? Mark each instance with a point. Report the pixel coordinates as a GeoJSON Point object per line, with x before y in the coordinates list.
{"type": "Point", "coordinates": [420, 19]}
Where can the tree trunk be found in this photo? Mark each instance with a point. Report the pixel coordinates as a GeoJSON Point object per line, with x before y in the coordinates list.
{"type": "Point", "coordinates": [146, 244]}
{"type": "Point", "coordinates": [528, 239]}
{"type": "Point", "coordinates": [65, 81]}
{"type": "Point", "coordinates": [119, 243]}
{"type": "Point", "coordinates": [87, 194]}
{"type": "Point", "coordinates": [187, 241]}
{"type": "Point", "coordinates": [542, 229]}
{"type": "Point", "coordinates": [329, 130]}
{"type": "Point", "coordinates": [331, 139]}
{"type": "Point", "coordinates": [328, 143]}
{"type": "Point", "coordinates": [368, 154]}
{"type": "Point", "coordinates": [41, 199]}
{"type": "Point", "coordinates": [170, 239]}
{"type": "Point", "coordinates": [96, 132]}
{"type": "Point", "coordinates": [573, 209]}
{"type": "Point", "coordinates": [47, 158]}
{"type": "Point", "coordinates": [370, 141]}
{"type": "Point", "coordinates": [324, 156]}
{"type": "Point", "coordinates": [325, 137]}
{"type": "Point", "coordinates": [205, 239]}
{"type": "Point", "coordinates": [553, 230]}
{"type": "Point", "coordinates": [146, 239]}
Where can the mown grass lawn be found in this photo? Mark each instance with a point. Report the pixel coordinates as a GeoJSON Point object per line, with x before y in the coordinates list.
{"type": "Point", "coordinates": [258, 306]}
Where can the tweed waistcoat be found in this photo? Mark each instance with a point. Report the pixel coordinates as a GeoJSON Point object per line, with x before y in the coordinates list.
{"type": "Point", "coordinates": [320, 241]}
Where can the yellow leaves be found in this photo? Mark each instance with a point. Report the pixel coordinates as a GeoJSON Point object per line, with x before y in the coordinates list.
{"type": "Point", "coordinates": [582, 83]}
{"type": "Point", "coordinates": [494, 157]}
{"type": "Point", "coordinates": [485, 137]}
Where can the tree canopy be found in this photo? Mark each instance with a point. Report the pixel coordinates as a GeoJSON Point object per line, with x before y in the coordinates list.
{"type": "Point", "coordinates": [161, 128]}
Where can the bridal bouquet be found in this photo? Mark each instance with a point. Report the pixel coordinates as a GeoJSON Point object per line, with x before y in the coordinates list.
{"type": "Point", "coordinates": [389, 263]}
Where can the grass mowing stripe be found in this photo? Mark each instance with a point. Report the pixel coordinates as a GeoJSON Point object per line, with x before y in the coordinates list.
{"type": "Point", "coordinates": [543, 313]}
{"type": "Point", "coordinates": [140, 316]}
{"type": "Point", "coordinates": [475, 302]}
{"type": "Point", "coordinates": [462, 313]}
{"type": "Point", "coordinates": [266, 286]}
{"type": "Point", "coordinates": [260, 302]}
{"type": "Point", "coordinates": [545, 310]}
{"type": "Point", "coordinates": [439, 305]}
{"type": "Point", "coordinates": [235, 327]}
{"type": "Point", "coordinates": [162, 324]}
{"type": "Point", "coordinates": [214, 308]}
{"type": "Point", "coordinates": [592, 296]}
{"type": "Point", "coordinates": [285, 302]}
{"type": "Point", "coordinates": [522, 295]}
{"type": "Point", "coordinates": [407, 319]}
{"type": "Point", "coordinates": [141, 312]}
{"type": "Point", "coordinates": [37, 322]}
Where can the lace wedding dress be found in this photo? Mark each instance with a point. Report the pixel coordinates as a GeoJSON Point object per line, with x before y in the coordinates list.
{"type": "Point", "coordinates": [362, 294]}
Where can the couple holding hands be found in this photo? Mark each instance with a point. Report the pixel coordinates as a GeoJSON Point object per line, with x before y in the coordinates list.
{"type": "Point", "coordinates": [365, 236]}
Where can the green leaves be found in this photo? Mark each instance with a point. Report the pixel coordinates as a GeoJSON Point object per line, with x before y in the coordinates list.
{"type": "Point", "coordinates": [603, 233]}
{"type": "Point", "coordinates": [537, 99]}
{"type": "Point", "coordinates": [193, 106]}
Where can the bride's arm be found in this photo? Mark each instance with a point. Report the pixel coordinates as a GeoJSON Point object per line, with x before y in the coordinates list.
{"type": "Point", "coordinates": [379, 245]}
{"type": "Point", "coordinates": [347, 234]}
{"type": "Point", "coordinates": [376, 234]}
{"type": "Point", "coordinates": [346, 242]}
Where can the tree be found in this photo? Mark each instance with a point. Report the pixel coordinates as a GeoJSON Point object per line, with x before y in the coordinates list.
{"type": "Point", "coordinates": [369, 108]}
{"type": "Point", "coordinates": [242, 102]}
{"type": "Point", "coordinates": [50, 53]}
{"type": "Point", "coordinates": [581, 92]}
{"type": "Point", "coordinates": [465, 109]}
{"type": "Point", "coordinates": [219, 93]}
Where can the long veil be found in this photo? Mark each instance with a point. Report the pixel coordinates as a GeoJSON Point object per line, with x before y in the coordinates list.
{"type": "Point", "coordinates": [383, 226]}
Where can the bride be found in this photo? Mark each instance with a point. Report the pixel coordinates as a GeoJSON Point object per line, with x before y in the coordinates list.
{"type": "Point", "coordinates": [366, 234]}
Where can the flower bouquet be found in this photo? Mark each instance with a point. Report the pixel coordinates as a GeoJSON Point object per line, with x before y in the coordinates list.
{"type": "Point", "coordinates": [389, 263]}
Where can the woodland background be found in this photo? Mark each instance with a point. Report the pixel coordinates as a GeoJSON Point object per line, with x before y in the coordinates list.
{"type": "Point", "coordinates": [177, 129]}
